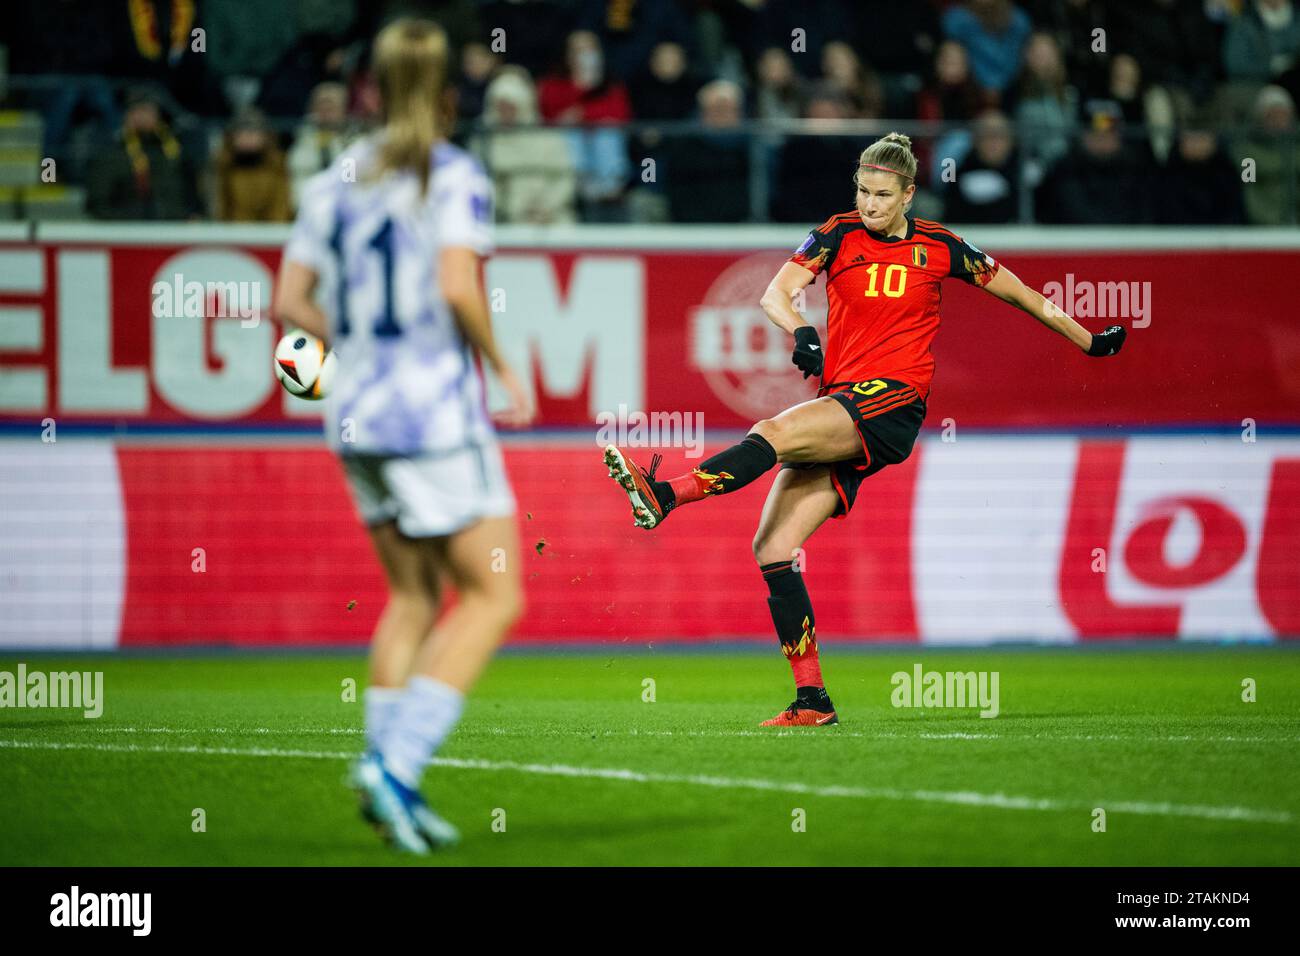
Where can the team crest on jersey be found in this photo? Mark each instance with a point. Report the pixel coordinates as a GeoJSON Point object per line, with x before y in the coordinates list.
{"type": "Point", "coordinates": [918, 256]}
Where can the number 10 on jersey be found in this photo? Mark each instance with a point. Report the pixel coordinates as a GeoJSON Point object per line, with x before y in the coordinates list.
{"type": "Point", "coordinates": [894, 284]}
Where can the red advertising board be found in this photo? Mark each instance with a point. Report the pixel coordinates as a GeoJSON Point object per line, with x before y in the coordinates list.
{"type": "Point", "coordinates": [117, 333]}
{"type": "Point", "coordinates": [982, 539]}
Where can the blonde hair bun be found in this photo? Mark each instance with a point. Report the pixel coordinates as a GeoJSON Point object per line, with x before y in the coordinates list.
{"type": "Point", "coordinates": [892, 152]}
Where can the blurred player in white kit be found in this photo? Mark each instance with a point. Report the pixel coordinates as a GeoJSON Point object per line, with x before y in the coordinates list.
{"type": "Point", "coordinates": [390, 240]}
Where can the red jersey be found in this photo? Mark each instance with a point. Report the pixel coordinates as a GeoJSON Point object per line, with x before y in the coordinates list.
{"type": "Point", "coordinates": [883, 295]}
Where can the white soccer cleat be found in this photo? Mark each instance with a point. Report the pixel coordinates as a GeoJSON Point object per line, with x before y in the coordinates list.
{"type": "Point", "coordinates": [385, 803]}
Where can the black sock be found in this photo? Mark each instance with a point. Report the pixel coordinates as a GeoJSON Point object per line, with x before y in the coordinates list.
{"type": "Point", "coordinates": [796, 628]}
{"type": "Point", "coordinates": [789, 604]}
{"type": "Point", "coordinates": [814, 698]}
{"type": "Point", "coordinates": [663, 492]}
{"type": "Point", "coordinates": [734, 467]}
{"type": "Point", "coordinates": [728, 470]}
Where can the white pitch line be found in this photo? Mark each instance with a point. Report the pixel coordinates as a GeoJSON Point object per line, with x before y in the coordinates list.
{"type": "Point", "coordinates": [830, 733]}
{"type": "Point", "coordinates": [1000, 801]}
{"type": "Point", "coordinates": [109, 729]}
{"type": "Point", "coordinates": [179, 749]}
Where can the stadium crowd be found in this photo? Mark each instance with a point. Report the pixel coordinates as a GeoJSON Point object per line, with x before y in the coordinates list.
{"type": "Point", "coordinates": [1059, 111]}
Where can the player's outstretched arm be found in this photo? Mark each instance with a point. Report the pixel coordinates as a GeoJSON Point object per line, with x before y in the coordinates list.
{"type": "Point", "coordinates": [1006, 285]}
{"type": "Point", "coordinates": [295, 302]}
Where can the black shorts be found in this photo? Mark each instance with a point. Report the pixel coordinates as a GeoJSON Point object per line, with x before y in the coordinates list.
{"type": "Point", "coordinates": [888, 414]}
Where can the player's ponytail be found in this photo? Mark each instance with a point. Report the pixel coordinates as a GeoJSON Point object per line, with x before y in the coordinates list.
{"type": "Point", "coordinates": [410, 67]}
{"type": "Point", "coordinates": [891, 154]}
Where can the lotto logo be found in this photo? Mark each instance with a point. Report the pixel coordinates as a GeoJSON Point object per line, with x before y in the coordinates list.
{"type": "Point", "coordinates": [1100, 539]}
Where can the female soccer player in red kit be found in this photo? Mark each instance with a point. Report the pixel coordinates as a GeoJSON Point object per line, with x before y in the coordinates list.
{"type": "Point", "coordinates": [883, 273]}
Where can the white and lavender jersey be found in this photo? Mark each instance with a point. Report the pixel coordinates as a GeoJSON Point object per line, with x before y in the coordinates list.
{"type": "Point", "coordinates": [406, 380]}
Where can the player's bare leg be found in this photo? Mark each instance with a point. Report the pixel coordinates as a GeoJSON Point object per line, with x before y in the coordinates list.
{"type": "Point", "coordinates": [482, 563]}
{"type": "Point", "coordinates": [405, 621]}
{"type": "Point", "coordinates": [820, 430]}
{"type": "Point", "coordinates": [798, 503]}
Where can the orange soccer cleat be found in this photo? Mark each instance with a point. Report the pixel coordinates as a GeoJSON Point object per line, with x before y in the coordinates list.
{"type": "Point", "coordinates": [802, 714]}
{"type": "Point", "coordinates": [638, 484]}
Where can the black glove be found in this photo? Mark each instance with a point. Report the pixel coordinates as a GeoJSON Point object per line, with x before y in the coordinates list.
{"type": "Point", "coordinates": [808, 351]}
{"type": "Point", "coordinates": [1108, 342]}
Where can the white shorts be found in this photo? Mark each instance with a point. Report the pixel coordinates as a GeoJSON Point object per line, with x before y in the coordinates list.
{"type": "Point", "coordinates": [432, 494]}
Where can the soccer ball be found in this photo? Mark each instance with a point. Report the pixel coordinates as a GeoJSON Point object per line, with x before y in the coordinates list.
{"type": "Point", "coordinates": [303, 366]}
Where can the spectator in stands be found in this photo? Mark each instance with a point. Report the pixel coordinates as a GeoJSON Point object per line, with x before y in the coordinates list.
{"type": "Point", "coordinates": [1173, 40]}
{"type": "Point", "coordinates": [531, 167]}
{"type": "Point", "coordinates": [953, 96]}
{"type": "Point", "coordinates": [994, 33]}
{"type": "Point", "coordinates": [780, 90]}
{"type": "Point", "coordinates": [628, 30]}
{"type": "Point", "coordinates": [478, 67]}
{"type": "Point", "coordinates": [146, 173]}
{"type": "Point", "coordinates": [1271, 154]}
{"type": "Point", "coordinates": [797, 196]}
{"type": "Point", "coordinates": [1048, 106]}
{"type": "Point", "coordinates": [1080, 28]}
{"type": "Point", "coordinates": [324, 134]}
{"type": "Point", "coordinates": [666, 89]}
{"type": "Point", "coordinates": [987, 187]}
{"type": "Point", "coordinates": [251, 176]}
{"type": "Point", "coordinates": [1124, 86]}
{"type": "Point", "coordinates": [1262, 44]}
{"type": "Point", "coordinates": [1199, 185]}
{"type": "Point", "coordinates": [1103, 183]}
{"type": "Point", "coordinates": [856, 82]}
{"type": "Point", "coordinates": [706, 175]}
{"type": "Point", "coordinates": [1160, 110]}
{"type": "Point", "coordinates": [583, 94]}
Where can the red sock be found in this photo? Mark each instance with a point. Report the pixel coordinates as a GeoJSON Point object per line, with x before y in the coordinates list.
{"type": "Point", "coordinates": [803, 658]}
{"type": "Point", "coordinates": [694, 485]}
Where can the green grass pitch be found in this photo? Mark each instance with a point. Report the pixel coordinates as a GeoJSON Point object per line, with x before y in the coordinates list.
{"type": "Point", "coordinates": [563, 750]}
